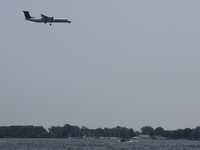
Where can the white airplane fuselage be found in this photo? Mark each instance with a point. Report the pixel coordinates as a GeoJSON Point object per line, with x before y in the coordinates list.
{"type": "Point", "coordinates": [49, 20]}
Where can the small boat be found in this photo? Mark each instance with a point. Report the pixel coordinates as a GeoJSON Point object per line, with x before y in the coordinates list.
{"type": "Point", "coordinates": [124, 140]}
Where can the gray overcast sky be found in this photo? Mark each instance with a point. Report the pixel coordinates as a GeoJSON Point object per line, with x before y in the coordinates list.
{"type": "Point", "coordinates": [126, 63]}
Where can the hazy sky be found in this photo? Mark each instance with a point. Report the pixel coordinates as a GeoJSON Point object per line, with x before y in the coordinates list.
{"type": "Point", "coordinates": [129, 63]}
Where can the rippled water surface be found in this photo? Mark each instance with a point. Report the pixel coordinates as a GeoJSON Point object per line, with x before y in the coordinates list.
{"type": "Point", "coordinates": [96, 144]}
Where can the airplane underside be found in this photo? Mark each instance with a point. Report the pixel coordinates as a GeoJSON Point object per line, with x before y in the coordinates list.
{"type": "Point", "coordinates": [49, 21]}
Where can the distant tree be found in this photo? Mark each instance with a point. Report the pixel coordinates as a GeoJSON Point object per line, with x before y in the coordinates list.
{"type": "Point", "coordinates": [106, 132]}
{"type": "Point", "coordinates": [123, 133]}
{"type": "Point", "coordinates": [198, 128]}
{"type": "Point", "coordinates": [23, 132]}
{"type": "Point", "coordinates": [98, 132]}
{"type": "Point", "coordinates": [56, 132]}
{"type": "Point", "coordinates": [137, 133]}
{"type": "Point", "coordinates": [131, 133]}
{"type": "Point", "coordinates": [84, 131]}
{"type": "Point", "coordinates": [40, 132]}
{"type": "Point", "coordinates": [147, 130]}
{"type": "Point", "coordinates": [177, 134]}
{"type": "Point", "coordinates": [188, 133]}
{"type": "Point", "coordinates": [167, 134]}
{"type": "Point", "coordinates": [1, 134]}
{"type": "Point", "coordinates": [159, 131]}
{"type": "Point", "coordinates": [196, 134]}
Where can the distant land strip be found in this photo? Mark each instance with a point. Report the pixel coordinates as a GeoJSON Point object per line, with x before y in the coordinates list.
{"type": "Point", "coordinates": [70, 131]}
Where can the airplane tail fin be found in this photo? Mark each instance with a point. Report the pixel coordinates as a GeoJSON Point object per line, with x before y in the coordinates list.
{"type": "Point", "coordinates": [27, 15]}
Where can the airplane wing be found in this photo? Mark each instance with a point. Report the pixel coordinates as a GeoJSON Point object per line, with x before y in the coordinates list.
{"type": "Point", "coordinates": [46, 17]}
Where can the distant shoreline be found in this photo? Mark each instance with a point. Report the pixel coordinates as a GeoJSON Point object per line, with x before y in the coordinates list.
{"type": "Point", "coordinates": [69, 131]}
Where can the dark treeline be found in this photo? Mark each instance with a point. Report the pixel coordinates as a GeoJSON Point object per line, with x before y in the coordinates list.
{"type": "Point", "coordinates": [23, 132]}
{"type": "Point", "coordinates": [186, 133]}
{"type": "Point", "coordinates": [74, 131]}
{"type": "Point", "coordinates": [63, 132]}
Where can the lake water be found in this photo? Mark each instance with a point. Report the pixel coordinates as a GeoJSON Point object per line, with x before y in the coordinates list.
{"type": "Point", "coordinates": [96, 144]}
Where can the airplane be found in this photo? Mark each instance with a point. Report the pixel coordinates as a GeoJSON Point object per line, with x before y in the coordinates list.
{"type": "Point", "coordinates": [45, 19]}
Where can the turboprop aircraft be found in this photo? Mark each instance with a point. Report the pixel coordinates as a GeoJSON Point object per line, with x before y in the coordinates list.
{"type": "Point", "coordinates": [45, 19]}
